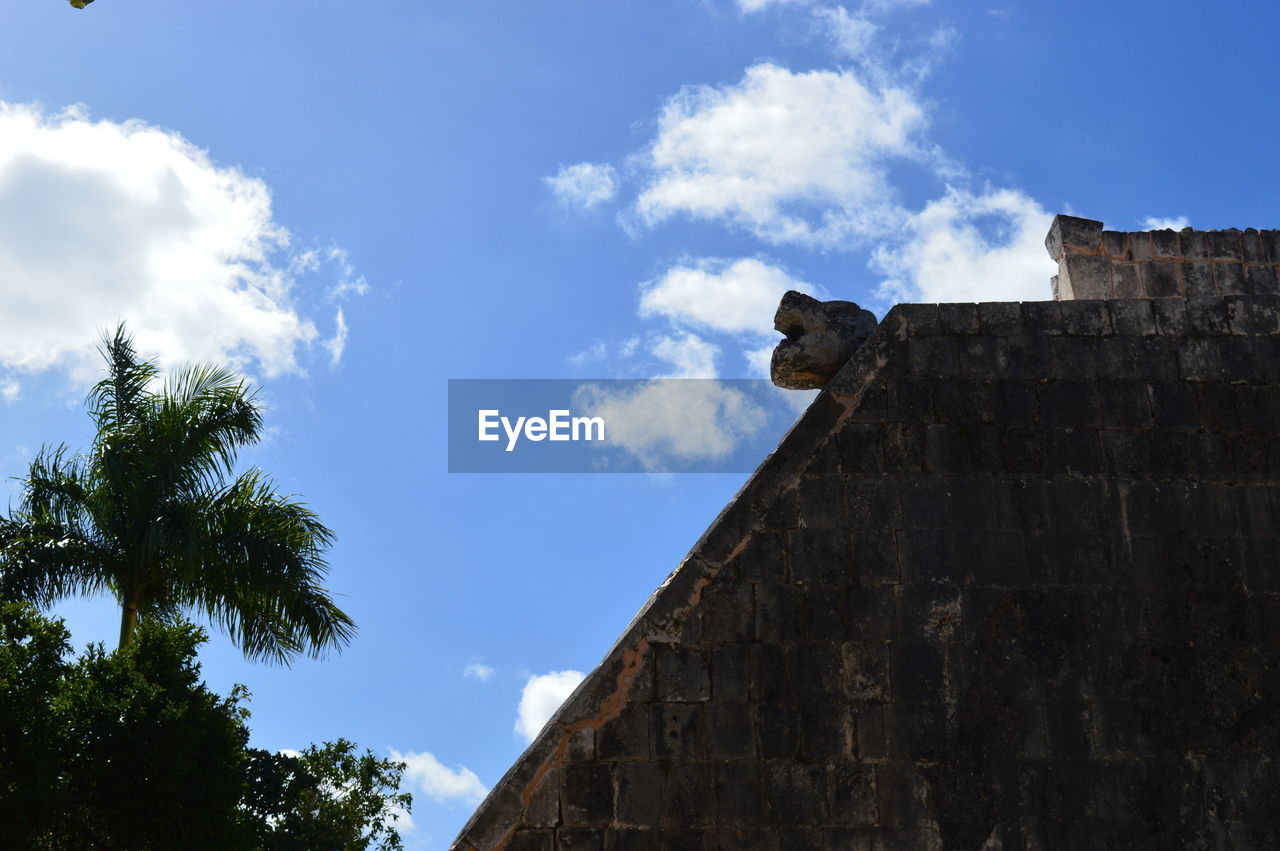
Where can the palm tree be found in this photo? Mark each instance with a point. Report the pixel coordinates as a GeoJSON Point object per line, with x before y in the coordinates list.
{"type": "Point", "coordinates": [150, 516]}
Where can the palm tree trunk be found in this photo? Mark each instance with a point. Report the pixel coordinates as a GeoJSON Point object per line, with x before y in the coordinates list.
{"type": "Point", "coordinates": [128, 622]}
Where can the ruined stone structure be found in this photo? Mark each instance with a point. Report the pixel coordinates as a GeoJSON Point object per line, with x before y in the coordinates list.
{"type": "Point", "coordinates": [1012, 581]}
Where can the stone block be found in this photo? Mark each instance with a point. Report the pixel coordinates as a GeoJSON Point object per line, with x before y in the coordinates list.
{"type": "Point", "coordinates": [1086, 318]}
{"type": "Point", "coordinates": [1042, 317]}
{"type": "Point", "coordinates": [860, 448]}
{"type": "Point", "coordinates": [1191, 243]}
{"type": "Point", "coordinates": [1067, 233]}
{"type": "Point", "coordinates": [905, 798]}
{"type": "Point", "coordinates": [677, 731]}
{"type": "Point", "coordinates": [916, 730]}
{"type": "Point", "coordinates": [1070, 357]}
{"type": "Point", "coordinates": [1115, 244]}
{"type": "Point", "coordinates": [1070, 403]}
{"type": "Point", "coordinates": [853, 795]}
{"type": "Point", "coordinates": [1164, 244]}
{"type": "Point", "coordinates": [1251, 250]}
{"type": "Point", "coordinates": [586, 794]}
{"type": "Point", "coordinates": [633, 839]}
{"type": "Point", "coordinates": [1228, 279]}
{"type": "Point", "coordinates": [1171, 316]}
{"type": "Point", "coordinates": [1126, 281]}
{"type": "Point", "coordinates": [818, 556]}
{"type": "Point", "coordinates": [689, 786]}
{"type": "Point", "coordinates": [864, 671]}
{"type": "Point", "coordinates": [933, 356]}
{"type": "Point", "coordinates": [1140, 246]}
{"type": "Point", "coordinates": [1260, 279]}
{"type": "Point", "coordinates": [820, 494]}
{"type": "Point", "coordinates": [532, 840]}
{"type": "Point", "coordinates": [683, 674]}
{"type": "Point", "coordinates": [875, 557]}
{"type": "Point", "coordinates": [979, 355]}
{"type": "Point", "coordinates": [581, 840]}
{"type": "Point", "coordinates": [1198, 359]}
{"type": "Point", "coordinates": [910, 400]}
{"type": "Point", "coordinates": [796, 793]}
{"type": "Point", "coordinates": [728, 615]}
{"type": "Point", "coordinates": [874, 502]}
{"type": "Point", "coordinates": [904, 447]}
{"type": "Point", "coordinates": [740, 793]}
{"type": "Point", "coordinates": [1124, 404]}
{"type": "Point", "coordinates": [731, 729]}
{"type": "Point", "coordinates": [626, 735]}
{"type": "Point", "coordinates": [1223, 244]}
{"type": "Point", "coordinates": [963, 401]}
{"type": "Point", "coordinates": [1207, 315]}
{"type": "Point", "coordinates": [1000, 319]}
{"type": "Point", "coordinates": [826, 735]}
{"type": "Point", "coordinates": [1197, 279]}
{"type": "Point", "coordinates": [1089, 276]}
{"type": "Point", "coordinates": [1132, 316]}
{"type": "Point", "coordinates": [958, 318]}
{"type": "Point", "coordinates": [1159, 279]}
{"type": "Point", "coordinates": [1013, 403]}
{"type": "Point", "coordinates": [916, 671]}
{"type": "Point", "coordinates": [543, 809]}
{"type": "Point", "coordinates": [872, 612]}
{"type": "Point", "coordinates": [918, 320]}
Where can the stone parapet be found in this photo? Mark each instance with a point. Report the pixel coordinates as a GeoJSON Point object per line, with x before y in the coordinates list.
{"type": "Point", "coordinates": [1096, 264]}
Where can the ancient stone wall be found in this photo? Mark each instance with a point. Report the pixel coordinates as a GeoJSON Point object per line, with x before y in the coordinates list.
{"type": "Point", "coordinates": [1013, 581]}
{"type": "Point", "coordinates": [1093, 263]}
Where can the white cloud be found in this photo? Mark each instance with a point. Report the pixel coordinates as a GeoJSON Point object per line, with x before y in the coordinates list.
{"type": "Point", "coordinates": [969, 247]}
{"type": "Point", "coordinates": [749, 6]}
{"type": "Point", "coordinates": [584, 185]}
{"type": "Point", "coordinates": [437, 781]}
{"type": "Point", "coordinates": [738, 296]}
{"type": "Point", "coordinates": [798, 158]}
{"type": "Point", "coordinates": [661, 423]}
{"type": "Point", "coordinates": [852, 35]}
{"type": "Point", "coordinates": [103, 221]}
{"type": "Point", "coordinates": [9, 390]}
{"type": "Point", "coordinates": [689, 355]}
{"type": "Point", "coordinates": [541, 697]}
{"type": "Point", "coordinates": [1170, 223]}
{"type": "Point", "coordinates": [478, 670]}
{"type": "Point", "coordinates": [337, 344]}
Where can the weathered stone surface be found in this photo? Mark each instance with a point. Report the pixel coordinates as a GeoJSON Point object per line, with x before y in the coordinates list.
{"type": "Point", "coordinates": [1093, 263]}
{"type": "Point", "coordinates": [820, 338]}
{"type": "Point", "coordinates": [1013, 582]}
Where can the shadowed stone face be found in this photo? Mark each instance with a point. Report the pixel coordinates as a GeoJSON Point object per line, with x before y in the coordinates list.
{"type": "Point", "coordinates": [821, 337]}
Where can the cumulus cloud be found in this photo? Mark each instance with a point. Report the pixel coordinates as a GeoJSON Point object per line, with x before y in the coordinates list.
{"type": "Point", "coordinates": [103, 221]}
{"type": "Point", "coordinates": [799, 158]}
{"type": "Point", "coordinates": [430, 777]}
{"type": "Point", "coordinates": [584, 185]}
{"type": "Point", "coordinates": [478, 670]}
{"type": "Point", "coordinates": [541, 697]}
{"type": "Point", "coordinates": [1170, 223]}
{"type": "Point", "coordinates": [670, 423]}
{"type": "Point", "coordinates": [689, 355]}
{"type": "Point", "coordinates": [970, 247]}
{"type": "Point", "coordinates": [735, 296]}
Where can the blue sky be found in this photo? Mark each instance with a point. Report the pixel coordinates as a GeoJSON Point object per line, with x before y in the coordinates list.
{"type": "Point", "coordinates": [353, 203]}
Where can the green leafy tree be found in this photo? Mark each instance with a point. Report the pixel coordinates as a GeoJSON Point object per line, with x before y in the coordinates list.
{"type": "Point", "coordinates": [129, 749]}
{"type": "Point", "coordinates": [154, 515]}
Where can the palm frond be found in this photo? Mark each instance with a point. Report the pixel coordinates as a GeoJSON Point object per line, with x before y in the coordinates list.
{"type": "Point", "coordinates": [260, 578]}
{"type": "Point", "coordinates": [116, 401]}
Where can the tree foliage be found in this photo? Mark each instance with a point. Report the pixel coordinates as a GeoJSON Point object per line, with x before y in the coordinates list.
{"type": "Point", "coordinates": [154, 514]}
{"type": "Point", "coordinates": [129, 749]}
